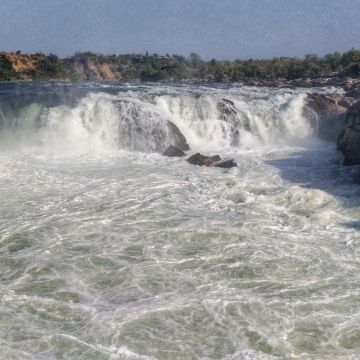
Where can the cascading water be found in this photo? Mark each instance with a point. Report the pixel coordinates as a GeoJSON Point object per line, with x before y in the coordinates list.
{"type": "Point", "coordinates": [109, 250]}
{"type": "Point", "coordinates": [136, 120]}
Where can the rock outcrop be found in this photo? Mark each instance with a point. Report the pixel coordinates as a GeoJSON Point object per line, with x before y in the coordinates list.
{"type": "Point", "coordinates": [143, 130]}
{"type": "Point", "coordinates": [226, 108]}
{"type": "Point", "coordinates": [177, 138]}
{"type": "Point", "coordinates": [216, 161]}
{"type": "Point", "coordinates": [228, 113]}
{"type": "Point", "coordinates": [352, 88]}
{"type": "Point", "coordinates": [326, 114]}
{"type": "Point", "coordinates": [161, 137]}
{"type": "Point", "coordinates": [349, 140]}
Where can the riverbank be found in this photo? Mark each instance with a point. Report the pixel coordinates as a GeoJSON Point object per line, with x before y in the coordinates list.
{"type": "Point", "coordinates": [331, 70]}
{"type": "Point", "coordinates": [348, 83]}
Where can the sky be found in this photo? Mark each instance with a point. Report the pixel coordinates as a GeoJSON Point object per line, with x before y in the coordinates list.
{"type": "Point", "coordinates": [221, 29]}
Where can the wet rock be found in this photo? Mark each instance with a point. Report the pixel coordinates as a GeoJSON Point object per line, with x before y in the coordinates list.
{"type": "Point", "coordinates": [352, 88]}
{"type": "Point", "coordinates": [228, 101]}
{"type": "Point", "coordinates": [227, 164]}
{"type": "Point", "coordinates": [233, 120]}
{"type": "Point", "coordinates": [349, 140]}
{"type": "Point", "coordinates": [326, 114]}
{"type": "Point", "coordinates": [173, 151]}
{"type": "Point", "coordinates": [171, 134]}
{"type": "Point", "coordinates": [214, 161]}
{"type": "Point", "coordinates": [226, 108]}
{"type": "Point", "coordinates": [202, 160]}
{"type": "Point", "coordinates": [177, 138]}
{"type": "Point", "coordinates": [143, 130]}
{"type": "Point", "coordinates": [354, 93]}
{"type": "Point", "coordinates": [346, 102]}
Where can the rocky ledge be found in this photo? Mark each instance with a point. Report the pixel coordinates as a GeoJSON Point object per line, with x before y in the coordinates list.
{"type": "Point", "coordinates": [327, 114]}
{"type": "Point", "coordinates": [348, 141]}
{"type": "Point", "coordinates": [348, 83]}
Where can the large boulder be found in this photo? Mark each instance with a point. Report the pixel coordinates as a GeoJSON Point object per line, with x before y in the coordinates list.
{"type": "Point", "coordinates": [326, 114]}
{"type": "Point", "coordinates": [228, 113]}
{"type": "Point", "coordinates": [226, 108]}
{"type": "Point", "coordinates": [142, 130]}
{"type": "Point", "coordinates": [349, 140]}
{"type": "Point", "coordinates": [161, 137]}
{"type": "Point", "coordinates": [177, 138]}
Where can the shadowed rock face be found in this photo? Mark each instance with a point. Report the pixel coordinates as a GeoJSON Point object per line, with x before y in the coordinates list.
{"type": "Point", "coordinates": [228, 113]}
{"type": "Point", "coordinates": [226, 108]}
{"type": "Point", "coordinates": [352, 88]}
{"type": "Point", "coordinates": [178, 139]}
{"type": "Point", "coordinates": [326, 114]}
{"type": "Point", "coordinates": [171, 134]}
{"type": "Point", "coordinates": [142, 130]}
{"type": "Point", "coordinates": [349, 140]}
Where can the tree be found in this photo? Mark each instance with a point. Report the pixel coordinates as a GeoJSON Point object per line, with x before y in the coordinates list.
{"type": "Point", "coordinates": [6, 69]}
{"type": "Point", "coordinates": [195, 60]}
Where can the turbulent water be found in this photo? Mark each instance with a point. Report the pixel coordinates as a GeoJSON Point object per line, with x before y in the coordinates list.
{"type": "Point", "coordinates": [109, 250]}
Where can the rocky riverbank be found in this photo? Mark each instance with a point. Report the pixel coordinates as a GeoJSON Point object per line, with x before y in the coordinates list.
{"type": "Point", "coordinates": [351, 85]}
{"type": "Point", "coordinates": [349, 140]}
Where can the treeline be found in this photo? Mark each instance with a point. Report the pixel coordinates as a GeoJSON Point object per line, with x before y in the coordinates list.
{"type": "Point", "coordinates": [155, 67]}
{"type": "Point", "coordinates": [6, 69]}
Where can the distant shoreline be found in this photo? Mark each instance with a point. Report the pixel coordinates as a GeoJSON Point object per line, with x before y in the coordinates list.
{"type": "Point", "coordinates": [338, 70]}
{"type": "Point", "coordinates": [331, 70]}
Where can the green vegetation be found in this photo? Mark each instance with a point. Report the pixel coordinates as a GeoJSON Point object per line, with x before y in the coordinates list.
{"type": "Point", "coordinates": [154, 67]}
{"type": "Point", "coordinates": [50, 67]}
{"type": "Point", "coordinates": [6, 70]}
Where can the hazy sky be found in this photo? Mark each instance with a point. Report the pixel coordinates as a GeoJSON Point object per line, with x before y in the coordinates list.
{"type": "Point", "coordinates": [222, 29]}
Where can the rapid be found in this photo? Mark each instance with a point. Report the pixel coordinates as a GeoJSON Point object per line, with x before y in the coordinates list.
{"type": "Point", "coordinates": [109, 250]}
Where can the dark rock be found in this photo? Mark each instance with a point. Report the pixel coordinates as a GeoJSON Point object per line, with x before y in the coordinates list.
{"type": "Point", "coordinates": [352, 88]}
{"type": "Point", "coordinates": [353, 93]}
{"type": "Point", "coordinates": [349, 140]}
{"type": "Point", "coordinates": [177, 138]}
{"type": "Point", "coordinates": [173, 151]}
{"type": "Point", "coordinates": [225, 164]}
{"type": "Point", "coordinates": [228, 102]}
{"type": "Point", "coordinates": [346, 102]}
{"type": "Point", "coordinates": [143, 131]}
{"type": "Point", "coordinates": [234, 120]}
{"type": "Point", "coordinates": [201, 160]}
{"type": "Point", "coordinates": [226, 108]}
{"type": "Point", "coordinates": [326, 114]}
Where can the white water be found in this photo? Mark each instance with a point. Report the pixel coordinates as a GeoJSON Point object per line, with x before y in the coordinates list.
{"type": "Point", "coordinates": [102, 122]}
{"type": "Point", "coordinates": [109, 250]}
